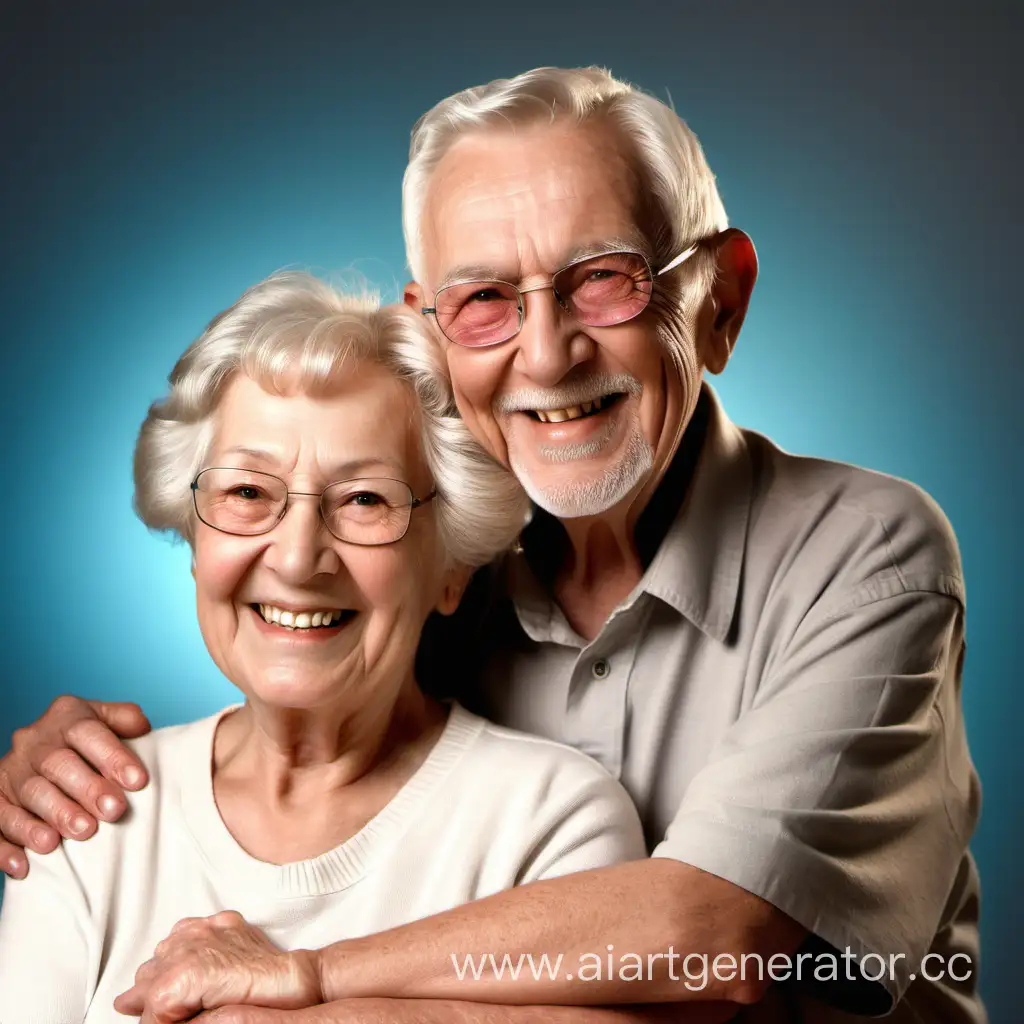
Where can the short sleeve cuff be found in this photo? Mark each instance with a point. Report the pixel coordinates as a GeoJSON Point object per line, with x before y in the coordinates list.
{"type": "Point", "coordinates": [815, 891]}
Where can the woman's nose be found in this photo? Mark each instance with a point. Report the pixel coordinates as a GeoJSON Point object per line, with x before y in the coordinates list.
{"type": "Point", "coordinates": [300, 545]}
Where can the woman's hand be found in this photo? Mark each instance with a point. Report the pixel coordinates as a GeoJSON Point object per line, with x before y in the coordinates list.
{"type": "Point", "coordinates": [63, 774]}
{"type": "Point", "coordinates": [207, 962]}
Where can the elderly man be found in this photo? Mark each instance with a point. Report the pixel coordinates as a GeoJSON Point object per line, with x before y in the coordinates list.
{"type": "Point", "coordinates": [766, 649]}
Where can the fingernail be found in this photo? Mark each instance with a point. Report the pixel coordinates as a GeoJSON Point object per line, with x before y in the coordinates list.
{"type": "Point", "coordinates": [15, 867]}
{"type": "Point", "coordinates": [79, 825]}
{"type": "Point", "coordinates": [109, 806]}
{"type": "Point", "coordinates": [132, 776]}
{"type": "Point", "coordinates": [41, 836]}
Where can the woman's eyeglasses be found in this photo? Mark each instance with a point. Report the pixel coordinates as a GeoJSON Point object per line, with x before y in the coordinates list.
{"type": "Point", "coordinates": [369, 511]}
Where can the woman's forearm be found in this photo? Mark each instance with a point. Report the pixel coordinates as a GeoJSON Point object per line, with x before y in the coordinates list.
{"type": "Point", "coordinates": [548, 943]}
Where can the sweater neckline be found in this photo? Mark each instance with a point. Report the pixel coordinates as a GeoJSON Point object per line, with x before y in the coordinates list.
{"type": "Point", "coordinates": [336, 869]}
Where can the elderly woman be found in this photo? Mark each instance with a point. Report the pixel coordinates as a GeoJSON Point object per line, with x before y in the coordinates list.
{"type": "Point", "coordinates": [310, 455]}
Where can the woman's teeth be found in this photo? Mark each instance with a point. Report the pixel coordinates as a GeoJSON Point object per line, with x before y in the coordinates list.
{"type": "Point", "coordinates": [298, 620]}
{"type": "Point", "coordinates": [573, 412]}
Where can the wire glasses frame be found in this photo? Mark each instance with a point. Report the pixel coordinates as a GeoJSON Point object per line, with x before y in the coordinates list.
{"type": "Point", "coordinates": [598, 291]}
{"type": "Point", "coordinates": [368, 511]}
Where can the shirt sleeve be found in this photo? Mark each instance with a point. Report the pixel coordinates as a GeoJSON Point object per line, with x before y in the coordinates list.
{"type": "Point", "coordinates": [45, 945]}
{"type": "Point", "coordinates": [845, 795]}
{"type": "Point", "coordinates": [590, 822]}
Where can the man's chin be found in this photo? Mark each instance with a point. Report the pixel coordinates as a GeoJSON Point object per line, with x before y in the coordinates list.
{"type": "Point", "coordinates": [584, 487]}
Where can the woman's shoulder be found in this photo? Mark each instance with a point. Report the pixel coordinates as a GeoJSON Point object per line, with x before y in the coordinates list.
{"type": "Point", "coordinates": [168, 751]}
{"type": "Point", "coordinates": [522, 761]}
{"type": "Point", "coordinates": [170, 755]}
{"type": "Point", "coordinates": [545, 805]}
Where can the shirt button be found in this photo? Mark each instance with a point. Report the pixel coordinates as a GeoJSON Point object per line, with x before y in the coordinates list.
{"type": "Point", "coordinates": [601, 669]}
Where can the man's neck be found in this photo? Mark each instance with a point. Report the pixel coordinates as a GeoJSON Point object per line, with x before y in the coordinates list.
{"type": "Point", "coordinates": [590, 565]}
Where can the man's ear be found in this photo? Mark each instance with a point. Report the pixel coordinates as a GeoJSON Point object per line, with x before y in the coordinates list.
{"type": "Point", "coordinates": [456, 579]}
{"type": "Point", "coordinates": [412, 296]}
{"type": "Point", "coordinates": [730, 295]}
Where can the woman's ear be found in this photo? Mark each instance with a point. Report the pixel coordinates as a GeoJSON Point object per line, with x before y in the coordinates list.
{"type": "Point", "coordinates": [412, 296]}
{"type": "Point", "coordinates": [456, 579]}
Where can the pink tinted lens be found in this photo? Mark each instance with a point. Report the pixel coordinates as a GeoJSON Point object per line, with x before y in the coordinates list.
{"type": "Point", "coordinates": [605, 290]}
{"type": "Point", "coordinates": [478, 312]}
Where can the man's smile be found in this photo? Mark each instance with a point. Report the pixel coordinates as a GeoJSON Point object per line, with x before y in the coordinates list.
{"type": "Point", "coordinates": [575, 412]}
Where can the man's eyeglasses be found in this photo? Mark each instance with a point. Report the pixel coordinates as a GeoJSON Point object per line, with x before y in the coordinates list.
{"type": "Point", "coordinates": [598, 291]}
{"type": "Point", "coordinates": [370, 511]}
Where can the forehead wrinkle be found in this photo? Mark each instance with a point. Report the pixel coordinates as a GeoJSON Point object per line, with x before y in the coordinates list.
{"type": "Point", "coordinates": [505, 200]}
{"type": "Point", "coordinates": [339, 469]}
{"type": "Point", "coordinates": [382, 439]}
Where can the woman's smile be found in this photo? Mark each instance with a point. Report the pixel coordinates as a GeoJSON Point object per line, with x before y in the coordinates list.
{"type": "Point", "coordinates": [307, 626]}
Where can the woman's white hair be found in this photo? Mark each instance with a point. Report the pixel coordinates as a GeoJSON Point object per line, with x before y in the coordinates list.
{"type": "Point", "coordinates": [294, 331]}
{"type": "Point", "coordinates": [675, 180]}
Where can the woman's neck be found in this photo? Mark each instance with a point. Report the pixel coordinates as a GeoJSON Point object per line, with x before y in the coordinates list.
{"type": "Point", "coordinates": [292, 784]}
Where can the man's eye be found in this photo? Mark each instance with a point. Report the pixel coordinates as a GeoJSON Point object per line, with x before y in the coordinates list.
{"type": "Point", "coordinates": [485, 295]}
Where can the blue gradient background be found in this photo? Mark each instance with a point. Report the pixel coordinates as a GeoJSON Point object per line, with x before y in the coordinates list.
{"type": "Point", "coordinates": [156, 162]}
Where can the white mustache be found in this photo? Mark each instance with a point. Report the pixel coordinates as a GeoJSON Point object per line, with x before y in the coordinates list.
{"type": "Point", "coordinates": [586, 389]}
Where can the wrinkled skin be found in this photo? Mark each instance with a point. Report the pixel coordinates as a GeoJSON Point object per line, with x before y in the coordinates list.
{"type": "Point", "coordinates": [218, 961]}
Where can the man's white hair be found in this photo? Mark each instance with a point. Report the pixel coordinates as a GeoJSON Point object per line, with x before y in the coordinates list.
{"type": "Point", "coordinates": [674, 176]}
{"type": "Point", "coordinates": [295, 332]}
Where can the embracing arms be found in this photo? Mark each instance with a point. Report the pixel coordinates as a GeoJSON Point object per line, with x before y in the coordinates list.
{"type": "Point", "coordinates": [869, 685]}
{"type": "Point", "coordinates": [64, 774]}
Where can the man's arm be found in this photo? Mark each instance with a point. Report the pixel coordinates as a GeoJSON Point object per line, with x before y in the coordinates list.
{"type": "Point", "coordinates": [443, 1011]}
{"type": "Point", "coordinates": [63, 774]}
{"type": "Point", "coordinates": [620, 934]}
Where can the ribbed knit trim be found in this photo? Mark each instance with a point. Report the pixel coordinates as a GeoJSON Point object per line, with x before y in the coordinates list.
{"type": "Point", "coordinates": [338, 868]}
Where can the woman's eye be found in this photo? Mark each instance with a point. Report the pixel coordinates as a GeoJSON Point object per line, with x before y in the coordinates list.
{"type": "Point", "coordinates": [246, 492]}
{"type": "Point", "coordinates": [366, 499]}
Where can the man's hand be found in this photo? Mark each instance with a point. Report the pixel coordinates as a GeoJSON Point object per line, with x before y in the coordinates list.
{"type": "Point", "coordinates": [219, 961]}
{"type": "Point", "coordinates": [64, 774]}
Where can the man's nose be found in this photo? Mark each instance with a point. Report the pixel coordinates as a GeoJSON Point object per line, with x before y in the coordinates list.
{"type": "Point", "coordinates": [551, 343]}
{"type": "Point", "coordinates": [301, 546]}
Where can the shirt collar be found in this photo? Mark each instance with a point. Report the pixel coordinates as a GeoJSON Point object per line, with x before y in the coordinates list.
{"type": "Point", "coordinates": [698, 566]}
{"type": "Point", "coordinates": [696, 569]}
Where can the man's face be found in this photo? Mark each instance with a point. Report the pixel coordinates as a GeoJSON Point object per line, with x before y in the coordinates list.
{"type": "Point", "coordinates": [517, 206]}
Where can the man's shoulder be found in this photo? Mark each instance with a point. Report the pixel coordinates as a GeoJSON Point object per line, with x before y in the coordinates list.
{"type": "Point", "coordinates": [852, 521]}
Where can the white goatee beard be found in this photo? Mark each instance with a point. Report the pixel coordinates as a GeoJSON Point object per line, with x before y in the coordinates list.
{"type": "Point", "coordinates": [591, 497]}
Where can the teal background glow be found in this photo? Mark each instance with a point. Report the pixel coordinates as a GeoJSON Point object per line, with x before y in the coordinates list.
{"type": "Point", "coordinates": [157, 158]}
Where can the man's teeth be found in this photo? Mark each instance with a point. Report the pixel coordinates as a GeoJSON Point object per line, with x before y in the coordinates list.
{"type": "Point", "coordinates": [298, 620]}
{"type": "Point", "coordinates": [574, 412]}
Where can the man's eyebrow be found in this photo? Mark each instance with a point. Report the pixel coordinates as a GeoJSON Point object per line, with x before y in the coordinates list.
{"type": "Point", "coordinates": [472, 272]}
{"type": "Point", "coordinates": [605, 245]}
{"type": "Point", "coordinates": [482, 272]}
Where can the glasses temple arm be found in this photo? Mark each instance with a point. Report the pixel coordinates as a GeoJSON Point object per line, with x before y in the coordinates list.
{"type": "Point", "coordinates": [681, 258]}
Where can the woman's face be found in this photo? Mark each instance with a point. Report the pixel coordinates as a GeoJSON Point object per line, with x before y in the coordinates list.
{"type": "Point", "coordinates": [368, 427]}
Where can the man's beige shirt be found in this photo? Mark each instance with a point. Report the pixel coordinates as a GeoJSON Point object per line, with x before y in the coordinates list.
{"type": "Point", "coordinates": [780, 695]}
